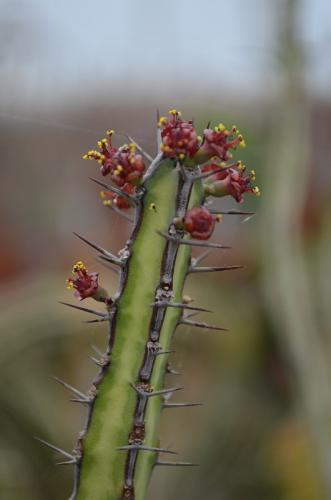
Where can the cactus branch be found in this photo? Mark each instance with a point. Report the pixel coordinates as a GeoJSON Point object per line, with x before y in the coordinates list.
{"type": "Point", "coordinates": [118, 448]}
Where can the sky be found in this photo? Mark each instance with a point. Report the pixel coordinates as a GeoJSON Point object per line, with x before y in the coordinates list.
{"type": "Point", "coordinates": [52, 48]}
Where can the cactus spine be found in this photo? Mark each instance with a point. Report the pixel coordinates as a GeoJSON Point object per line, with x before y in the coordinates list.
{"type": "Point", "coordinates": [116, 452]}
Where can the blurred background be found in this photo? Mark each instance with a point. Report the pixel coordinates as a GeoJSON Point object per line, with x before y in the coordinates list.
{"type": "Point", "coordinates": [71, 70]}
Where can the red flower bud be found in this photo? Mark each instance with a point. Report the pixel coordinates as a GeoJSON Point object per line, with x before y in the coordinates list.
{"type": "Point", "coordinates": [231, 182]}
{"type": "Point", "coordinates": [123, 164]}
{"type": "Point", "coordinates": [199, 222]}
{"type": "Point", "coordinates": [128, 166]}
{"type": "Point", "coordinates": [179, 138]}
{"type": "Point", "coordinates": [218, 142]}
{"type": "Point", "coordinates": [86, 284]}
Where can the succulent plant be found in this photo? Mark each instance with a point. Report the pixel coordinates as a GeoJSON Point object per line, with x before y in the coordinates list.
{"type": "Point", "coordinates": [167, 200]}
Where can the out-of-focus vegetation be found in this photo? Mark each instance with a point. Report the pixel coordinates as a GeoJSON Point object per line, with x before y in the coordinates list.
{"type": "Point", "coordinates": [264, 429]}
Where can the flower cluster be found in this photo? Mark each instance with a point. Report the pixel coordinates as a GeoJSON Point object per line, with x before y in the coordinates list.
{"type": "Point", "coordinates": [231, 181]}
{"type": "Point", "coordinates": [218, 142]}
{"type": "Point", "coordinates": [86, 284]}
{"type": "Point", "coordinates": [123, 164]}
{"type": "Point", "coordinates": [179, 138]}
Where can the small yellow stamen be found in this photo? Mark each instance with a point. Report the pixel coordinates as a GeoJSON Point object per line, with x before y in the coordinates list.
{"type": "Point", "coordinates": [256, 191]}
{"type": "Point", "coordinates": [181, 156]}
{"type": "Point", "coordinates": [162, 121]}
{"type": "Point", "coordinates": [221, 127]}
{"type": "Point", "coordinates": [240, 166]}
{"type": "Point", "coordinates": [219, 217]}
{"type": "Point", "coordinates": [103, 195]}
{"type": "Point", "coordinates": [70, 285]}
{"type": "Point", "coordinates": [252, 175]}
{"type": "Point", "coordinates": [79, 266]}
{"type": "Point", "coordinates": [174, 112]}
{"type": "Point", "coordinates": [110, 132]}
{"type": "Point", "coordinates": [106, 203]}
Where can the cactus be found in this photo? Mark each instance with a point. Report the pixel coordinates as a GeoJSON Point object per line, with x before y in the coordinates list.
{"type": "Point", "coordinates": [116, 452]}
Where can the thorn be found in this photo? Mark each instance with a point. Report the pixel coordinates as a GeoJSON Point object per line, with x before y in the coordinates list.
{"type": "Point", "coordinates": [180, 405]}
{"type": "Point", "coordinates": [172, 371]}
{"type": "Point", "coordinates": [140, 149]}
{"type": "Point", "coordinates": [106, 264]}
{"type": "Point", "coordinates": [231, 212]}
{"type": "Point", "coordinates": [196, 260]}
{"type": "Point", "coordinates": [67, 462]}
{"type": "Point", "coordinates": [163, 303]}
{"type": "Point", "coordinates": [198, 324]}
{"type": "Point", "coordinates": [81, 401]}
{"type": "Point", "coordinates": [115, 190]}
{"type": "Point", "coordinates": [96, 350]}
{"type": "Point", "coordinates": [120, 212]}
{"type": "Point", "coordinates": [142, 447]}
{"type": "Point", "coordinates": [89, 321]}
{"type": "Point", "coordinates": [192, 243]}
{"type": "Point", "coordinates": [190, 315]}
{"type": "Point", "coordinates": [213, 172]}
{"type": "Point", "coordinates": [212, 269]}
{"type": "Point", "coordinates": [96, 361]}
{"type": "Point", "coordinates": [210, 173]}
{"type": "Point", "coordinates": [85, 309]}
{"type": "Point", "coordinates": [156, 393]}
{"type": "Point", "coordinates": [108, 255]}
{"type": "Point", "coordinates": [176, 464]}
{"type": "Point", "coordinates": [164, 352]}
{"type": "Point", "coordinates": [56, 449]}
{"type": "Point", "coordinates": [72, 389]}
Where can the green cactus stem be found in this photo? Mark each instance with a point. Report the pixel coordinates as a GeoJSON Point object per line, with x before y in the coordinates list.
{"type": "Point", "coordinates": [119, 446]}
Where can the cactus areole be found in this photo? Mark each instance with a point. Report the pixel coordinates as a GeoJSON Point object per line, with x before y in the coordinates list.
{"type": "Point", "coordinates": [166, 199]}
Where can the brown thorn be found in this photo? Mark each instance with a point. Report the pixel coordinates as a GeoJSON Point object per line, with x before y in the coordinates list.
{"type": "Point", "coordinates": [108, 255]}
{"type": "Point", "coordinates": [212, 269]}
{"type": "Point", "coordinates": [85, 309]}
{"type": "Point", "coordinates": [201, 325]}
{"type": "Point", "coordinates": [192, 243]}
{"type": "Point", "coordinates": [70, 388]}
{"type": "Point", "coordinates": [180, 405]}
{"type": "Point", "coordinates": [55, 448]}
{"type": "Point", "coordinates": [141, 447]}
{"type": "Point", "coordinates": [115, 190]}
{"type": "Point", "coordinates": [140, 149]}
{"type": "Point", "coordinates": [176, 464]}
{"type": "Point", "coordinates": [163, 303]}
{"type": "Point", "coordinates": [231, 212]}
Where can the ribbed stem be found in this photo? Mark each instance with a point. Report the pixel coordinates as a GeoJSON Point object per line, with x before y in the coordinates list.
{"type": "Point", "coordinates": [106, 473]}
